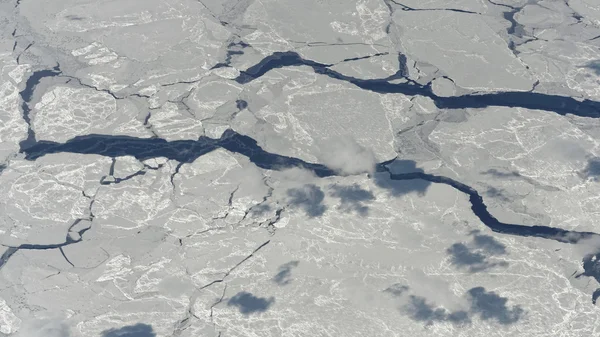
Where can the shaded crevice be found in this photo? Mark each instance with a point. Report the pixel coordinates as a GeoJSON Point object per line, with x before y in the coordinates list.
{"type": "Point", "coordinates": [108, 91]}
{"type": "Point", "coordinates": [185, 322]}
{"type": "Point", "coordinates": [515, 30]}
{"type": "Point", "coordinates": [411, 9]}
{"type": "Point", "coordinates": [183, 151]}
{"type": "Point", "coordinates": [27, 95]}
{"type": "Point", "coordinates": [595, 296]}
{"type": "Point", "coordinates": [180, 102]}
{"type": "Point", "coordinates": [270, 224]}
{"type": "Point", "coordinates": [6, 255]}
{"type": "Point", "coordinates": [182, 82]}
{"type": "Point", "coordinates": [177, 168]}
{"type": "Point", "coordinates": [561, 105]}
{"type": "Point", "coordinates": [81, 83]}
{"type": "Point", "coordinates": [26, 246]}
{"type": "Point", "coordinates": [230, 200]}
{"type": "Point", "coordinates": [403, 66]}
{"type": "Point", "coordinates": [23, 51]}
{"type": "Point", "coordinates": [362, 57]}
{"type": "Point", "coordinates": [188, 151]}
{"type": "Point", "coordinates": [217, 302]}
{"type": "Point", "coordinates": [111, 179]}
{"type": "Point", "coordinates": [111, 169]}
{"type": "Point", "coordinates": [65, 257]}
{"type": "Point", "coordinates": [262, 206]}
{"type": "Point", "coordinates": [233, 48]}
{"type": "Point", "coordinates": [149, 126]}
{"type": "Point", "coordinates": [71, 238]}
{"type": "Point", "coordinates": [329, 44]}
{"type": "Point", "coordinates": [105, 180]}
{"type": "Point", "coordinates": [236, 266]}
{"type": "Point", "coordinates": [480, 210]}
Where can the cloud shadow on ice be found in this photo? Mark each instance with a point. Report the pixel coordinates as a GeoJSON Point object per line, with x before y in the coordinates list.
{"type": "Point", "coordinates": [137, 330]}
{"type": "Point", "coordinates": [352, 198]}
{"type": "Point", "coordinates": [490, 306]}
{"type": "Point", "coordinates": [474, 256]}
{"type": "Point", "coordinates": [396, 289]}
{"type": "Point", "coordinates": [496, 193]}
{"type": "Point", "coordinates": [250, 304]}
{"type": "Point", "coordinates": [487, 305]}
{"type": "Point", "coordinates": [419, 309]}
{"type": "Point", "coordinates": [593, 65]}
{"type": "Point", "coordinates": [308, 197]}
{"type": "Point", "coordinates": [497, 173]}
{"type": "Point", "coordinates": [488, 243]}
{"type": "Point", "coordinates": [283, 276]}
{"type": "Point", "coordinates": [260, 209]}
{"type": "Point", "coordinates": [592, 170]}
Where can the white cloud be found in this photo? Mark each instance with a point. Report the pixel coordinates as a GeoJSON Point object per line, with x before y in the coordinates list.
{"type": "Point", "coordinates": [46, 327]}
{"type": "Point", "coordinates": [587, 246]}
{"type": "Point", "coordinates": [295, 174]}
{"type": "Point", "coordinates": [437, 290]}
{"type": "Point", "coordinates": [346, 156]}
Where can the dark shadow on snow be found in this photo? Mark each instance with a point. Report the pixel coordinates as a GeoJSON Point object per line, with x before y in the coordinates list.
{"type": "Point", "coordinates": [493, 192]}
{"type": "Point", "coordinates": [260, 209]}
{"type": "Point", "coordinates": [138, 330]}
{"type": "Point", "coordinates": [463, 256]}
{"type": "Point", "coordinates": [283, 276]}
{"type": "Point", "coordinates": [593, 65]}
{"type": "Point", "coordinates": [497, 173]}
{"type": "Point", "coordinates": [591, 268]}
{"type": "Point", "coordinates": [420, 310]}
{"type": "Point", "coordinates": [474, 256]}
{"type": "Point", "coordinates": [250, 304]}
{"type": "Point", "coordinates": [592, 170]}
{"type": "Point", "coordinates": [352, 198]}
{"type": "Point", "coordinates": [490, 306]}
{"type": "Point", "coordinates": [487, 305]}
{"type": "Point", "coordinates": [488, 243]}
{"type": "Point", "coordinates": [308, 197]}
{"type": "Point", "coordinates": [396, 289]}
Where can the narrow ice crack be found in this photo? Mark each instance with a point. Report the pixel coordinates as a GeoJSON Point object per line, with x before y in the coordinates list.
{"type": "Point", "coordinates": [218, 302]}
{"type": "Point", "coordinates": [184, 323]}
{"type": "Point", "coordinates": [236, 266]}
{"type": "Point", "coordinates": [407, 8]}
{"type": "Point", "coordinates": [26, 96]}
{"type": "Point", "coordinates": [111, 179]}
{"type": "Point", "coordinates": [23, 51]}
{"type": "Point", "coordinates": [149, 126]}
{"type": "Point", "coordinates": [69, 240]}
